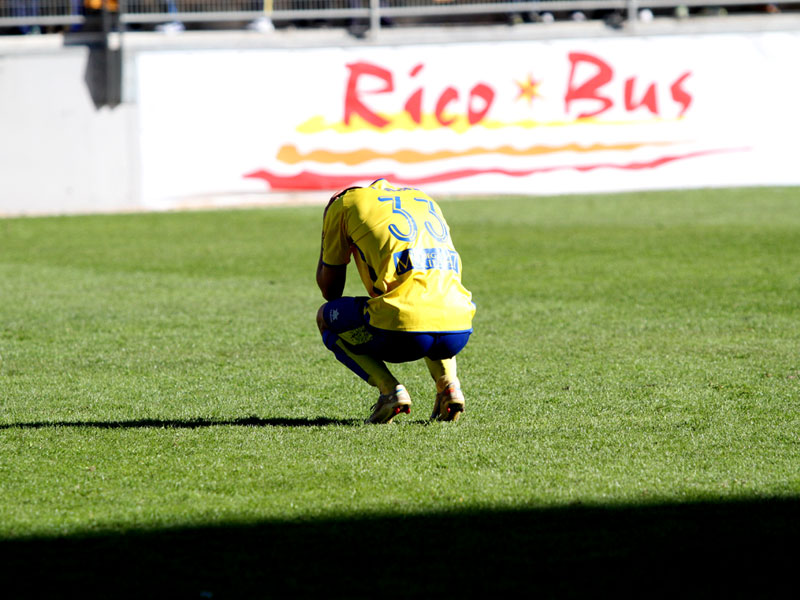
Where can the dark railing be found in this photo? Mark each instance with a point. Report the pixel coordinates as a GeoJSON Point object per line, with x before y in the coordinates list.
{"type": "Point", "coordinates": [32, 16]}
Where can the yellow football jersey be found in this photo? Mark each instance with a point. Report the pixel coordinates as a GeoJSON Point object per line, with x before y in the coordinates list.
{"type": "Point", "coordinates": [405, 257]}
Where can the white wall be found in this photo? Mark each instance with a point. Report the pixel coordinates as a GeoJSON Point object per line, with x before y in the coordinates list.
{"type": "Point", "coordinates": [58, 153]}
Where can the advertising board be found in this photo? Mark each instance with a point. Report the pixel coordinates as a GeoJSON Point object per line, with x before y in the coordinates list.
{"type": "Point", "coordinates": [518, 117]}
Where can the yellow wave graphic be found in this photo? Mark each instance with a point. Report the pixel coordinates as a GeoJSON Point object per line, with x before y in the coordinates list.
{"type": "Point", "coordinates": [289, 154]}
{"type": "Point", "coordinates": [403, 122]}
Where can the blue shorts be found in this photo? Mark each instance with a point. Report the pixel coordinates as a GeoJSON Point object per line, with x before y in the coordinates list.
{"type": "Point", "coordinates": [348, 321]}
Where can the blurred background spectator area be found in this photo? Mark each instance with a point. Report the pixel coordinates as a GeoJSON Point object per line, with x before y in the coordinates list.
{"type": "Point", "coordinates": [48, 16]}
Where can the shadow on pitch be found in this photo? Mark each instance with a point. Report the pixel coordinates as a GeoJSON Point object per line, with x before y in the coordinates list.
{"type": "Point", "coordinates": [189, 423]}
{"type": "Point", "coordinates": [742, 549]}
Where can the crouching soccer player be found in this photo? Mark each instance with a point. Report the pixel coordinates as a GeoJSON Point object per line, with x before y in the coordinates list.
{"type": "Point", "coordinates": [417, 309]}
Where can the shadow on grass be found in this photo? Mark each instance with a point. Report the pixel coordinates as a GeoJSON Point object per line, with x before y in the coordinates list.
{"type": "Point", "coordinates": [745, 549]}
{"type": "Point", "coordinates": [188, 423]}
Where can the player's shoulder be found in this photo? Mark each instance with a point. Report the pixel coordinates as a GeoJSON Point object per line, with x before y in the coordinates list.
{"type": "Point", "coordinates": [404, 193]}
{"type": "Point", "coordinates": [337, 201]}
{"type": "Point", "coordinates": [339, 196]}
{"type": "Point", "coordinates": [384, 186]}
{"type": "Point", "coordinates": [350, 196]}
{"type": "Point", "coordinates": [378, 188]}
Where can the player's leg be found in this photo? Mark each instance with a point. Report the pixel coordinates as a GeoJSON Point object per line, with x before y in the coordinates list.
{"type": "Point", "coordinates": [370, 369]}
{"type": "Point", "coordinates": [441, 363]}
{"type": "Point", "coordinates": [345, 333]}
{"type": "Point", "coordinates": [449, 403]}
{"type": "Point", "coordinates": [444, 371]}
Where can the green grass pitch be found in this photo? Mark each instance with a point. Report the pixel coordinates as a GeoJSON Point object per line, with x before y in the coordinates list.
{"type": "Point", "coordinates": [172, 426]}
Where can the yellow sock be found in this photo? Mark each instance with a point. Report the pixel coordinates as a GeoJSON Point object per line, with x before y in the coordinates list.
{"type": "Point", "coordinates": [379, 374]}
{"type": "Point", "coordinates": [444, 372]}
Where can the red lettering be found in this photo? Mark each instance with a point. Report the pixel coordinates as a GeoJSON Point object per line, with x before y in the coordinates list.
{"type": "Point", "coordinates": [680, 95]}
{"type": "Point", "coordinates": [479, 101]}
{"type": "Point", "coordinates": [649, 99]}
{"type": "Point", "coordinates": [589, 90]}
{"type": "Point", "coordinates": [413, 105]}
{"type": "Point", "coordinates": [448, 95]}
{"type": "Point", "coordinates": [352, 101]}
{"type": "Point", "coordinates": [485, 93]}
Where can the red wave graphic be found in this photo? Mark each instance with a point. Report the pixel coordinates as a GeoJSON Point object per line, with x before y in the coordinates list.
{"type": "Point", "coordinates": [309, 180]}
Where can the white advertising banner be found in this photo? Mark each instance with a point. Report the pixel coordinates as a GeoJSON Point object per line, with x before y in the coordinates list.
{"type": "Point", "coordinates": [527, 117]}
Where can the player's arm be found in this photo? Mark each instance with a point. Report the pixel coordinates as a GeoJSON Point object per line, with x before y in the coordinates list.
{"type": "Point", "coordinates": [331, 277]}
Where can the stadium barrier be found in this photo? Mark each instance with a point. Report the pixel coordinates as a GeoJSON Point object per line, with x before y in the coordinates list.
{"type": "Point", "coordinates": [608, 112]}
{"type": "Point", "coordinates": [33, 15]}
{"type": "Point", "coordinates": [238, 118]}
